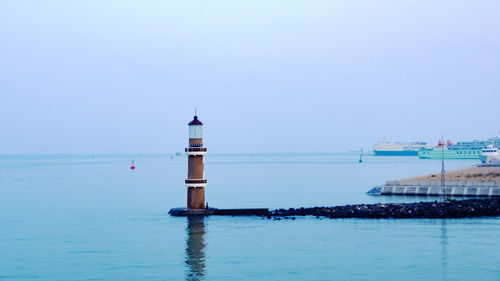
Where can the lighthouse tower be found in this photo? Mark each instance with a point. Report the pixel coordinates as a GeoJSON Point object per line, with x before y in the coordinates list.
{"type": "Point", "coordinates": [196, 181]}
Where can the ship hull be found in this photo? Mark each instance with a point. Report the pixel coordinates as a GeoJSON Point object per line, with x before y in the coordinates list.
{"type": "Point", "coordinates": [396, 153]}
{"type": "Point", "coordinates": [450, 154]}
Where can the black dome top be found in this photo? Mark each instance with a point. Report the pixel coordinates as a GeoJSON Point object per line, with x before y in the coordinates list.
{"type": "Point", "coordinates": [195, 121]}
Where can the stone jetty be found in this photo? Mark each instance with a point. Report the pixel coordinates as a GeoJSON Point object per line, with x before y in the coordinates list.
{"type": "Point", "coordinates": [448, 209]}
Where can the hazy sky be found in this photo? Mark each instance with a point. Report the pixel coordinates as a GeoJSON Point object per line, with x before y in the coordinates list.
{"type": "Point", "coordinates": [266, 76]}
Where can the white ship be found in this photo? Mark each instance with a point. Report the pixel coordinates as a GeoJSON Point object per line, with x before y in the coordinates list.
{"type": "Point", "coordinates": [490, 156]}
{"type": "Point", "coordinates": [385, 148]}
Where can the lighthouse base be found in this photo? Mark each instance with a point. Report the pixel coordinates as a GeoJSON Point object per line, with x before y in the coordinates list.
{"type": "Point", "coordinates": [196, 198]}
{"type": "Point", "coordinates": [184, 212]}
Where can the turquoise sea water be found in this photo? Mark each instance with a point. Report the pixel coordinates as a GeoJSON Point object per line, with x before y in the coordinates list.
{"type": "Point", "coordinates": [78, 218]}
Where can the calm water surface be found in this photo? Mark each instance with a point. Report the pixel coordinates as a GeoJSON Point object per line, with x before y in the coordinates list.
{"type": "Point", "coordinates": [78, 218]}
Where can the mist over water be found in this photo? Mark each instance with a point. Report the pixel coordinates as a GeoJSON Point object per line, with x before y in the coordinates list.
{"type": "Point", "coordinates": [78, 218]}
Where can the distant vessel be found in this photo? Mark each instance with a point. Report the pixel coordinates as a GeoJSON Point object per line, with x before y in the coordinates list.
{"type": "Point", "coordinates": [385, 148]}
{"type": "Point", "coordinates": [490, 156]}
{"type": "Point", "coordinates": [361, 156]}
{"type": "Point", "coordinates": [460, 150]}
{"type": "Point", "coordinates": [132, 167]}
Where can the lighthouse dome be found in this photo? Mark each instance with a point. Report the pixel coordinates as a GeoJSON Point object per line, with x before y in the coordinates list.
{"type": "Point", "coordinates": [195, 122]}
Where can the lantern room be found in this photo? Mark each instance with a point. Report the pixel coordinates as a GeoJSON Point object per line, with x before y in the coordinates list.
{"type": "Point", "coordinates": [195, 138]}
{"type": "Point", "coordinates": [195, 128]}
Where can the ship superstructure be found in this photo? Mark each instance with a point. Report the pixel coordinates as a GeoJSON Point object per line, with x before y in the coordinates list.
{"type": "Point", "coordinates": [490, 156]}
{"type": "Point", "coordinates": [385, 148]}
{"type": "Point", "coordinates": [460, 150]}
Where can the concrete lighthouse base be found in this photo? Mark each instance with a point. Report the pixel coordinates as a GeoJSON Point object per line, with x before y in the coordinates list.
{"type": "Point", "coordinates": [184, 212]}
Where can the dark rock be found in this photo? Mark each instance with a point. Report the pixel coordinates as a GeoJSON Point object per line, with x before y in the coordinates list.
{"type": "Point", "coordinates": [448, 209]}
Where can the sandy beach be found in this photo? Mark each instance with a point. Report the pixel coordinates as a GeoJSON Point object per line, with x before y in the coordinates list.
{"type": "Point", "coordinates": [477, 174]}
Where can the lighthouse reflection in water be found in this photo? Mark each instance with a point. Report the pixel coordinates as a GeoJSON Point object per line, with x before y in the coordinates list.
{"type": "Point", "coordinates": [195, 248]}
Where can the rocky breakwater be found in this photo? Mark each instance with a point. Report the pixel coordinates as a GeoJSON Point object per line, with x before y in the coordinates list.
{"type": "Point", "coordinates": [448, 209]}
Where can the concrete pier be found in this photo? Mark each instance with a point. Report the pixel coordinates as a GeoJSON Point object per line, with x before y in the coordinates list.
{"type": "Point", "coordinates": [472, 182]}
{"type": "Point", "coordinates": [433, 188]}
{"type": "Point", "coordinates": [184, 212]}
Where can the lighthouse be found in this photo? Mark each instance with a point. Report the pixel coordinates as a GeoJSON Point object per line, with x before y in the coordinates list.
{"type": "Point", "coordinates": [196, 181]}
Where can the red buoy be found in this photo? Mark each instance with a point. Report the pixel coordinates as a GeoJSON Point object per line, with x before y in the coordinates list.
{"type": "Point", "coordinates": [133, 166]}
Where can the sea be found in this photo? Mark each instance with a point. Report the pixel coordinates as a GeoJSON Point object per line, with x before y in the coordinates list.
{"type": "Point", "coordinates": [84, 217]}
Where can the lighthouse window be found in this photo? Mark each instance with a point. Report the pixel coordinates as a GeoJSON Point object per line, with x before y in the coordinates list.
{"type": "Point", "coordinates": [195, 132]}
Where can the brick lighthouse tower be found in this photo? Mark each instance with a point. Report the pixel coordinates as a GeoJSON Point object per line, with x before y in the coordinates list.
{"type": "Point", "coordinates": [196, 181]}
